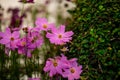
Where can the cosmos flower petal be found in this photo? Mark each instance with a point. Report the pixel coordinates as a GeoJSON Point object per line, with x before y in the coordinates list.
{"type": "Point", "coordinates": [70, 78]}
{"type": "Point", "coordinates": [29, 54]}
{"type": "Point", "coordinates": [39, 21]}
{"type": "Point", "coordinates": [4, 41]}
{"type": "Point", "coordinates": [58, 36]}
{"type": "Point", "coordinates": [1, 34]}
{"type": "Point", "coordinates": [49, 35]}
{"type": "Point", "coordinates": [8, 30]}
{"type": "Point", "coordinates": [69, 33]}
{"type": "Point", "coordinates": [52, 26]}
{"type": "Point", "coordinates": [52, 73]}
{"type": "Point", "coordinates": [62, 28]}
{"type": "Point", "coordinates": [15, 34]}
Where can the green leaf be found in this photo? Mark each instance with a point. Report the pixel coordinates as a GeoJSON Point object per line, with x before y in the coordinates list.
{"type": "Point", "coordinates": [100, 7]}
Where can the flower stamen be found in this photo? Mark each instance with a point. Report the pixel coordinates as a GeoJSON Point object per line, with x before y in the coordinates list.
{"type": "Point", "coordinates": [55, 63]}
{"type": "Point", "coordinates": [45, 26]}
{"type": "Point", "coordinates": [12, 38]}
{"type": "Point", "coordinates": [72, 70]}
{"type": "Point", "coordinates": [60, 36]}
{"type": "Point", "coordinates": [23, 43]}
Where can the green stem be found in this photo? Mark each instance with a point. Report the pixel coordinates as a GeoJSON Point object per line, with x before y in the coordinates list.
{"type": "Point", "coordinates": [26, 50]}
{"type": "Point", "coordinates": [2, 61]}
{"type": "Point", "coordinates": [22, 10]}
{"type": "Point", "coordinates": [14, 66]}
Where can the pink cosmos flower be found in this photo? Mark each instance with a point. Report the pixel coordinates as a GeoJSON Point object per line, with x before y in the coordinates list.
{"type": "Point", "coordinates": [61, 65]}
{"type": "Point", "coordinates": [32, 40]}
{"type": "Point", "coordinates": [9, 39]}
{"type": "Point", "coordinates": [53, 66]}
{"type": "Point", "coordinates": [59, 36]}
{"type": "Point", "coordinates": [74, 71]}
{"type": "Point", "coordinates": [42, 24]}
{"type": "Point", "coordinates": [35, 39]}
{"type": "Point", "coordinates": [23, 47]}
{"type": "Point", "coordinates": [56, 65]}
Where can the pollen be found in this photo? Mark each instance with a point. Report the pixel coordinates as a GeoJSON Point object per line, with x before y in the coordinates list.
{"type": "Point", "coordinates": [72, 70]}
{"type": "Point", "coordinates": [45, 26]}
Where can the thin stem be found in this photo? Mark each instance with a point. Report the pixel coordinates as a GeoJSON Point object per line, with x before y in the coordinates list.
{"type": "Point", "coordinates": [22, 10]}
{"type": "Point", "coordinates": [2, 61]}
{"type": "Point", "coordinates": [26, 50]}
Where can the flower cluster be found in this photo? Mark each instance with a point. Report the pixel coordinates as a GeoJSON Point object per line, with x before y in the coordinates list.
{"type": "Point", "coordinates": [64, 67]}
{"type": "Point", "coordinates": [33, 38]}
{"type": "Point", "coordinates": [57, 36]}
{"type": "Point", "coordinates": [24, 45]}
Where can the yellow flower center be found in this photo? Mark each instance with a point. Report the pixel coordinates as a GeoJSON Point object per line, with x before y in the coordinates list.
{"type": "Point", "coordinates": [60, 36]}
{"type": "Point", "coordinates": [23, 43]}
{"type": "Point", "coordinates": [55, 63]}
{"type": "Point", "coordinates": [12, 38]}
{"type": "Point", "coordinates": [72, 70]}
{"type": "Point", "coordinates": [45, 26]}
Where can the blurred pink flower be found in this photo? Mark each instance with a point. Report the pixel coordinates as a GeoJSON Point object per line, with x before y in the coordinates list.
{"type": "Point", "coordinates": [23, 47]}
{"type": "Point", "coordinates": [61, 65]}
{"type": "Point", "coordinates": [30, 42]}
{"type": "Point", "coordinates": [53, 66]}
{"type": "Point", "coordinates": [16, 20]}
{"type": "Point", "coordinates": [42, 24]}
{"type": "Point", "coordinates": [59, 36]}
{"type": "Point", "coordinates": [35, 39]}
{"type": "Point", "coordinates": [9, 39]}
{"type": "Point", "coordinates": [74, 71]}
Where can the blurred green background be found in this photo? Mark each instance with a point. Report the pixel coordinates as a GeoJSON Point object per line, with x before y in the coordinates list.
{"type": "Point", "coordinates": [96, 42]}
